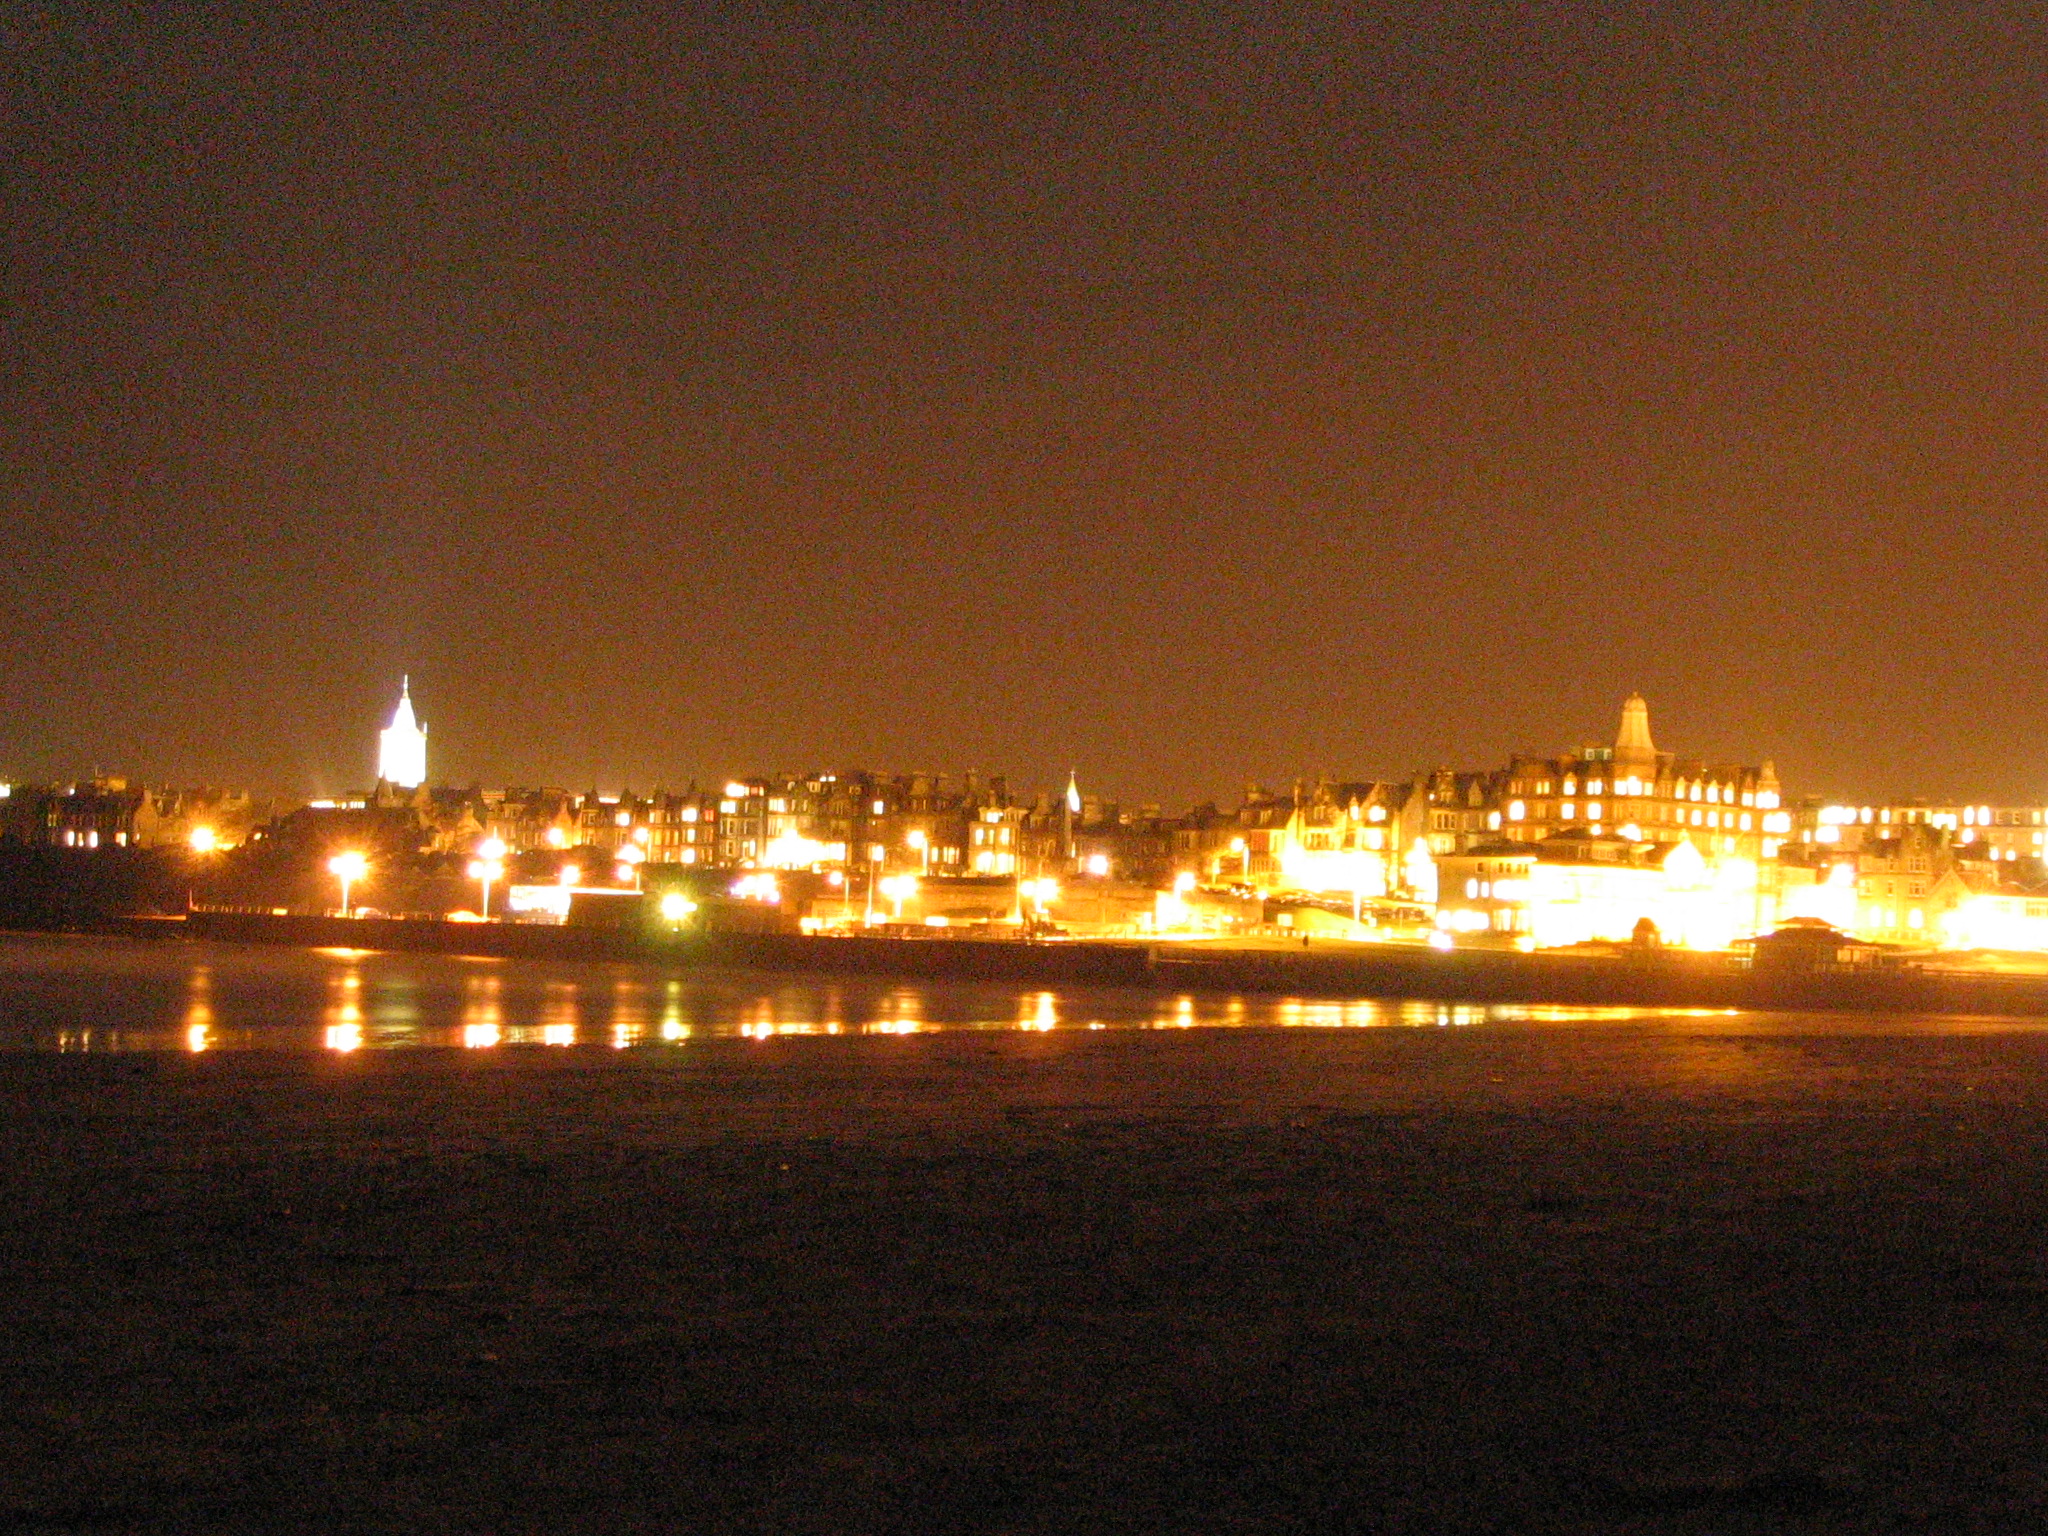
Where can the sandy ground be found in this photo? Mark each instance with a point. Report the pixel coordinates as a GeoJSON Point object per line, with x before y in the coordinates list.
{"type": "Point", "coordinates": [1611, 1278]}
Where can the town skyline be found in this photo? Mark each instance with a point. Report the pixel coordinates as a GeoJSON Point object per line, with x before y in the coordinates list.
{"type": "Point", "coordinates": [324, 782]}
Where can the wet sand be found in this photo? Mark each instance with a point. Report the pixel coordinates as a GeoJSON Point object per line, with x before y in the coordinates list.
{"type": "Point", "coordinates": [1620, 1278]}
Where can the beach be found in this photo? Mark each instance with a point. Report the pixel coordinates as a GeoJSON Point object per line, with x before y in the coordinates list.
{"type": "Point", "coordinates": [1721, 1274]}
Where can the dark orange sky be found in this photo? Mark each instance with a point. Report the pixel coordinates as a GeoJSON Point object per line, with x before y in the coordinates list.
{"type": "Point", "coordinates": [1178, 393]}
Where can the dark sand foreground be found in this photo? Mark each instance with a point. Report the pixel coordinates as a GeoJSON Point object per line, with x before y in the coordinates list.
{"type": "Point", "coordinates": [1713, 1277]}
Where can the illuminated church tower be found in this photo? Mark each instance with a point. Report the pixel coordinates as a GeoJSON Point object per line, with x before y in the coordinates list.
{"type": "Point", "coordinates": [402, 745]}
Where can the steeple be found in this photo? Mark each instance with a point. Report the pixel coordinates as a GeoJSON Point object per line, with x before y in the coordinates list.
{"type": "Point", "coordinates": [402, 745]}
{"type": "Point", "coordinates": [1633, 749]}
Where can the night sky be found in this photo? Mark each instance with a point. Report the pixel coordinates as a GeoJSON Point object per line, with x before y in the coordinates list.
{"type": "Point", "coordinates": [1181, 394]}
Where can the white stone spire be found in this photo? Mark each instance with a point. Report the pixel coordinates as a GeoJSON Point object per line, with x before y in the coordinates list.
{"type": "Point", "coordinates": [402, 745]}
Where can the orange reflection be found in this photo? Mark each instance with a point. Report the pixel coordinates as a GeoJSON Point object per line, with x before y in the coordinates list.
{"type": "Point", "coordinates": [199, 1009]}
{"type": "Point", "coordinates": [1038, 1010]}
{"type": "Point", "coordinates": [629, 1012]}
{"type": "Point", "coordinates": [343, 1020]}
{"type": "Point", "coordinates": [483, 1017]}
{"type": "Point", "coordinates": [559, 1014]}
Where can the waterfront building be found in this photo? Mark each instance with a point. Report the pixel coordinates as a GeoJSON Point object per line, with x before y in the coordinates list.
{"type": "Point", "coordinates": [1575, 888]}
{"type": "Point", "coordinates": [105, 812]}
{"type": "Point", "coordinates": [1612, 836]}
{"type": "Point", "coordinates": [2007, 833]}
{"type": "Point", "coordinates": [1635, 792]}
{"type": "Point", "coordinates": [1342, 840]}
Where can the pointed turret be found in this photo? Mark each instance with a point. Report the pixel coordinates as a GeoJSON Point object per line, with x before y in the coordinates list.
{"type": "Point", "coordinates": [1634, 752]}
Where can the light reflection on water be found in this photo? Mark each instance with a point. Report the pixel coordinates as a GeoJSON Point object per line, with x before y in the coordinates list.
{"type": "Point", "coordinates": [98, 995]}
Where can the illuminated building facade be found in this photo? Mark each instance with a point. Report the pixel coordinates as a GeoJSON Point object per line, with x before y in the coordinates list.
{"type": "Point", "coordinates": [1344, 839]}
{"type": "Point", "coordinates": [2007, 833]}
{"type": "Point", "coordinates": [1633, 791]}
{"type": "Point", "coordinates": [1576, 888]}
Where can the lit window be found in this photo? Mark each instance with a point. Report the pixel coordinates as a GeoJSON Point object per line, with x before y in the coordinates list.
{"type": "Point", "coordinates": [1516, 810]}
{"type": "Point", "coordinates": [1593, 808]}
{"type": "Point", "coordinates": [1565, 811]}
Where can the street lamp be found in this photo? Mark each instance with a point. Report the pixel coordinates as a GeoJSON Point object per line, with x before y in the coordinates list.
{"type": "Point", "coordinates": [899, 889]}
{"type": "Point", "coordinates": [876, 853]}
{"type": "Point", "coordinates": [922, 844]}
{"type": "Point", "coordinates": [484, 871]}
{"type": "Point", "coordinates": [348, 868]}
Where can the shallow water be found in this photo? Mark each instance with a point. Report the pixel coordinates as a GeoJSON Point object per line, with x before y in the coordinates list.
{"type": "Point", "coordinates": [60, 993]}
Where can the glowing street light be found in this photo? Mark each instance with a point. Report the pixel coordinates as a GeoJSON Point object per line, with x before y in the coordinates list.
{"type": "Point", "coordinates": [675, 907]}
{"type": "Point", "coordinates": [348, 868]}
{"type": "Point", "coordinates": [487, 866]}
{"type": "Point", "coordinates": [204, 841]}
{"type": "Point", "coordinates": [899, 889]}
{"type": "Point", "coordinates": [923, 844]}
{"type": "Point", "coordinates": [875, 855]}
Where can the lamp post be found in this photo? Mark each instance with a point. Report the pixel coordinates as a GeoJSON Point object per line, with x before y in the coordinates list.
{"type": "Point", "coordinates": [875, 855]}
{"type": "Point", "coordinates": [487, 866]}
{"type": "Point", "coordinates": [204, 841]}
{"type": "Point", "coordinates": [348, 868]}
{"type": "Point", "coordinates": [918, 839]}
{"type": "Point", "coordinates": [899, 888]}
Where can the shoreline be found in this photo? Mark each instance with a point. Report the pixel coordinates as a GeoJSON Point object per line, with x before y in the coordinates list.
{"type": "Point", "coordinates": [1389, 972]}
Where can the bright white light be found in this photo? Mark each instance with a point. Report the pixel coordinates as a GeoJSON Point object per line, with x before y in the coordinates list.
{"type": "Point", "coordinates": [204, 840]}
{"type": "Point", "coordinates": [675, 906]}
{"type": "Point", "coordinates": [491, 849]}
